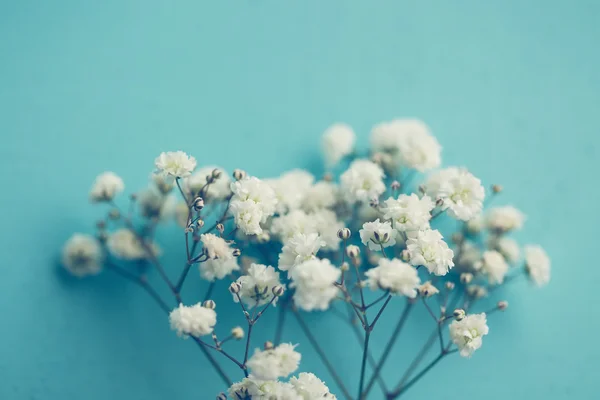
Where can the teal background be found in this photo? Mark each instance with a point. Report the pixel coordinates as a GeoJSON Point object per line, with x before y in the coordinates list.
{"type": "Point", "coordinates": [510, 88]}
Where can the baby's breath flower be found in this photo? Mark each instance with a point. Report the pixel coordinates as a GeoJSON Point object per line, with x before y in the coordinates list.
{"type": "Point", "coordinates": [175, 164]}
{"type": "Point", "coordinates": [338, 142]}
{"type": "Point", "coordinates": [82, 255]}
{"type": "Point", "coordinates": [310, 387]}
{"type": "Point", "coordinates": [394, 275]}
{"type": "Point", "coordinates": [461, 193]}
{"type": "Point", "coordinates": [537, 265]}
{"type": "Point", "coordinates": [123, 243]}
{"type": "Point", "coordinates": [494, 266]}
{"type": "Point", "coordinates": [218, 189]}
{"type": "Point", "coordinates": [377, 234]}
{"type": "Point", "coordinates": [194, 320]}
{"type": "Point", "coordinates": [504, 219]}
{"type": "Point", "coordinates": [298, 249]}
{"type": "Point", "coordinates": [256, 287]}
{"type": "Point", "coordinates": [314, 283]}
{"type": "Point", "coordinates": [216, 247]}
{"type": "Point", "coordinates": [408, 212]}
{"type": "Point", "coordinates": [428, 248]}
{"type": "Point", "coordinates": [274, 363]}
{"type": "Point", "coordinates": [106, 187]}
{"type": "Point", "coordinates": [362, 181]}
{"type": "Point", "coordinates": [467, 333]}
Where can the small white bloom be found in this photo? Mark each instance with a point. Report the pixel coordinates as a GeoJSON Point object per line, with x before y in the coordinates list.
{"type": "Point", "coordinates": [460, 191]}
{"type": "Point", "coordinates": [408, 212]}
{"type": "Point", "coordinates": [255, 389]}
{"type": "Point", "coordinates": [175, 164]}
{"type": "Point", "coordinates": [427, 289]}
{"type": "Point", "coordinates": [153, 204]}
{"type": "Point", "coordinates": [362, 181]}
{"type": "Point", "coordinates": [429, 249]}
{"type": "Point", "coordinates": [193, 320]}
{"type": "Point", "coordinates": [468, 255]}
{"type": "Point", "coordinates": [298, 249]}
{"type": "Point", "coordinates": [216, 247]}
{"type": "Point", "coordinates": [257, 285]}
{"type": "Point", "coordinates": [314, 282]}
{"type": "Point", "coordinates": [106, 187]}
{"type": "Point", "coordinates": [288, 225]}
{"type": "Point", "coordinates": [290, 189]}
{"type": "Point", "coordinates": [310, 387]}
{"type": "Point", "coordinates": [123, 243]}
{"type": "Point", "coordinates": [219, 189]}
{"type": "Point", "coordinates": [82, 255]}
{"type": "Point", "coordinates": [394, 275]}
{"type": "Point", "coordinates": [377, 234]}
{"type": "Point", "coordinates": [338, 142]}
{"type": "Point", "coordinates": [217, 268]}
{"type": "Point", "coordinates": [504, 219]}
{"type": "Point", "coordinates": [494, 266]}
{"type": "Point", "coordinates": [475, 224]}
{"type": "Point", "coordinates": [320, 195]}
{"type": "Point", "coordinates": [467, 333]}
{"type": "Point", "coordinates": [327, 226]}
{"type": "Point", "coordinates": [508, 247]}
{"type": "Point", "coordinates": [248, 216]}
{"type": "Point", "coordinates": [274, 363]}
{"type": "Point", "coordinates": [537, 264]}
{"type": "Point", "coordinates": [252, 199]}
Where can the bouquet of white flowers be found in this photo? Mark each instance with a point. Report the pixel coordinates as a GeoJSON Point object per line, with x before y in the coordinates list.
{"type": "Point", "coordinates": [306, 245]}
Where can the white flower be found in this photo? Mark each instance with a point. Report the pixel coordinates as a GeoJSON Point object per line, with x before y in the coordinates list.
{"type": "Point", "coordinates": [377, 234]}
{"type": "Point", "coordinates": [252, 199]}
{"type": "Point", "coordinates": [219, 189]}
{"type": "Point", "coordinates": [508, 247]}
{"type": "Point", "coordinates": [537, 264]}
{"type": "Point", "coordinates": [494, 266]}
{"type": "Point", "coordinates": [298, 249]}
{"type": "Point", "coordinates": [362, 181]}
{"type": "Point", "coordinates": [429, 249]}
{"type": "Point", "coordinates": [106, 187]}
{"type": "Point", "coordinates": [338, 142]}
{"type": "Point", "coordinates": [310, 387]}
{"type": "Point", "coordinates": [427, 289]}
{"type": "Point", "coordinates": [468, 255]}
{"type": "Point", "coordinates": [248, 216]}
{"type": "Point", "coordinates": [296, 221]}
{"type": "Point", "coordinates": [123, 243]}
{"type": "Point", "coordinates": [314, 282]}
{"type": "Point", "coordinates": [175, 164]}
{"type": "Point", "coordinates": [82, 255]}
{"type": "Point", "coordinates": [193, 320]}
{"type": "Point", "coordinates": [320, 195]}
{"type": "Point", "coordinates": [504, 219]}
{"type": "Point", "coordinates": [255, 389]}
{"type": "Point", "coordinates": [475, 224]}
{"type": "Point", "coordinates": [216, 247]}
{"type": "Point", "coordinates": [274, 363]}
{"type": "Point", "coordinates": [408, 212]}
{"type": "Point", "coordinates": [290, 189]}
{"type": "Point", "coordinates": [467, 334]}
{"type": "Point", "coordinates": [460, 191]}
{"type": "Point", "coordinates": [257, 285]}
{"type": "Point", "coordinates": [218, 269]}
{"type": "Point", "coordinates": [153, 204]}
{"type": "Point", "coordinates": [327, 225]}
{"type": "Point", "coordinates": [406, 142]}
{"type": "Point", "coordinates": [394, 275]}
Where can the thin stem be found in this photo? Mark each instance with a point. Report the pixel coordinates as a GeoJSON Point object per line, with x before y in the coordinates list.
{"type": "Point", "coordinates": [220, 350]}
{"type": "Point", "coordinates": [313, 341]}
{"type": "Point", "coordinates": [438, 321]}
{"type": "Point", "coordinates": [209, 291]}
{"type": "Point", "coordinates": [380, 312]}
{"type": "Point", "coordinates": [377, 301]}
{"type": "Point", "coordinates": [186, 268]}
{"type": "Point", "coordinates": [388, 347]}
{"type": "Point", "coordinates": [264, 308]}
{"type": "Point", "coordinates": [215, 365]}
{"type": "Point", "coordinates": [364, 364]}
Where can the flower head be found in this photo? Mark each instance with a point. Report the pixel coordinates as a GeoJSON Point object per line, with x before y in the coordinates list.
{"type": "Point", "coordinates": [290, 189]}
{"type": "Point", "coordinates": [429, 249]}
{"type": "Point", "coordinates": [409, 212]}
{"type": "Point", "coordinates": [106, 187]}
{"type": "Point", "coordinates": [314, 282]}
{"type": "Point", "coordinates": [218, 268]}
{"type": "Point", "coordinates": [504, 219]}
{"type": "Point", "coordinates": [193, 320]}
{"type": "Point", "coordinates": [377, 234]}
{"type": "Point", "coordinates": [82, 255]}
{"type": "Point", "coordinates": [338, 142]}
{"type": "Point", "coordinates": [252, 203]}
{"type": "Point", "coordinates": [494, 266]}
{"type": "Point", "coordinates": [460, 191]}
{"type": "Point", "coordinates": [320, 195]}
{"type": "Point", "coordinates": [506, 246]}
{"type": "Point", "coordinates": [175, 164]}
{"type": "Point", "coordinates": [274, 363]}
{"type": "Point", "coordinates": [216, 247]}
{"type": "Point", "coordinates": [256, 389]}
{"type": "Point", "coordinates": [310, 387]}
{"type": "Point", "coordinates": [394, 275]}
{"type": "Point", "coordinates": [257, 285]}
{"type": "Point", "coordinates": [537, 265]}
{"type": "Point", "coordinates": [218, 189]}
{"type": "Point", "coordinates": [123, 243]}
{"type": "Point", "coordinates": [298, 249]}
{"type": "Point", "coordinates": [467, 333]}
{"type": "Point", "coordinates": [362, 181]}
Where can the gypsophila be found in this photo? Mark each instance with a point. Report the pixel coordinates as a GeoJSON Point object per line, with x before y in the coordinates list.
{"type": "Point", "coordinates": [218, 189]}
{"type": "Point", "coordinates": [193, 320]}
{"type": "Point", "coordinates": [504, 219]}
{"type": "Point", "coordinates": [509, 248]}
{"type": "Point", "coordinates": [123, 243]}
{"type": "Point", "coordinates": [106, 187]}
{"type": "Point", "coordinates": [214, 269]}
{"type": "Point", "coordinates": [338, 142]}
{"type": "Point", "coordinates": [82, 255]}
{"type": "Point", "coordinates": [274, 363]}
{"type": "Point", "coordinates": [493, 265]}
{"type": "Point", "coordinates": [461, 193]}
{"type": "Point", "coordinates": [257, 285]}
{"type": "Point", "coordinates": [175, 164]}
{"type": "Point", "coordinates": [314, 283]}
{"type": "Point", "coordinates": [362, 181]}
{"type": "Point", "coordinates": [298, 249]}
{"type": "Point", "coordinates": [320, 195]}
{"type": "Point", "coordinates": [394, 275]}
{"type": "Point", "coordinates": [310, 387]}
{"type": "Point", "coordinates": [537, 265]}
{"type": "Point", "coordinates": [429, 249]}
{"type": "Point", "coordinates": [216, 247]}
{"type": "Point", "coordinates": [255, 389]}
{"type": "Point", "coordinates": [467, 333]}
{"type": "Point", "coordinates": [408, 212]}
{"type": "Point", "coordinates": [252, 203]}
{"type": "Point", "coordinates": [377, 234]}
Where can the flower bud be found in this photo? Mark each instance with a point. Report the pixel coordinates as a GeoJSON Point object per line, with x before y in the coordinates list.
{"type": "Point", "coordinates": [236, 252]}
{"type": "Point", "coordinates": [237, 333]}
{"type": "Point", "coordinates": [352, 251]}
{"type": "Point", "coordinates": [200, 223]}
{"type": "Point", "coordinates": [459, 314]}
{"type": "Point", "coordinates": [439, 202]}
{"type": "Point", "coordinates": [216, 173]}
{"type": "Point", "coordinates": [114, 214]}
{"type": "Point", "coordinates": [502, 305]}
{"type": "Point", "coordinates": [277, 290]}
{"type": "Point", "coordinates": [239, 174]}
{"type": "Point", "coordinates": [268, 345]}
{"type": "Point", "coordinates": [405, 255]}
{"type": "Point", "coordinates": [328, 177]}
{"type": "Point", "coordinates": [466, 278]}
{"type": "Point", "coordinates": [374, 202]}
{"type": "Point", "coordinates": [344, 233]}
{"type": "Point", "coordinates": [496, 188]}
{"type": "Point", "coordinates": [428, 290]}
{"type": "Point", "coordinates": [222, 396]}
{"type": "Point", "coordinates": [263, 237]}
{"type": "Point", "coordinates": [220, 227]}
{"type": "Point", "coordinates": [345, 266]}
{"type": "Point", "coordinates": [395, 185]}
{"type": "Point", "coordinates": [198, 203]}
{"type": "Point", "coordinates": [457, 237]}
{"type": "Point", "coordinates": [235, 287]}
{"type": "Point", "coordinates": [450, 285]}
{"type": "Point", "coordinates": [209, 304]}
